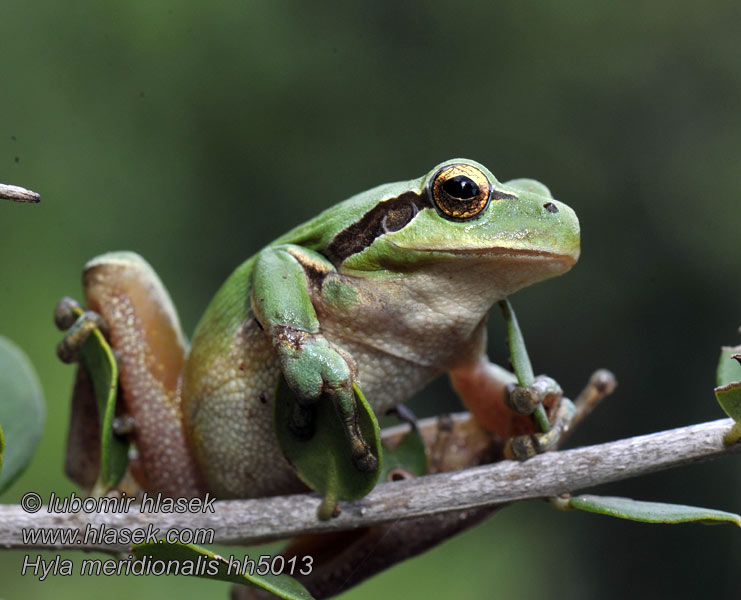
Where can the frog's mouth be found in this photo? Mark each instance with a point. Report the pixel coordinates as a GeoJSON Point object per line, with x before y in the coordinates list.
{"type": "Point", "coordinates": [567, 259]}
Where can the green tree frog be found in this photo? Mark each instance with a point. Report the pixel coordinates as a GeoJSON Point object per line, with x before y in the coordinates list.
{"type": "Point", "coordinates": [388, 290]}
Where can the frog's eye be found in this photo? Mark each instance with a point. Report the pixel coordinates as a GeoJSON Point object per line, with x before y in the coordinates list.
{"type": "Point", "coordinates": [460, 192]}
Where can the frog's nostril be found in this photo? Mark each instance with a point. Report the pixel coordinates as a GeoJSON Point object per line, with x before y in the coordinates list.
{"type": "Point", "coordinates": [550, 207]}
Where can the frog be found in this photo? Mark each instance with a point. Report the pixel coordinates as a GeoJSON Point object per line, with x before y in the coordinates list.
{"type": "Point", "coordinates": [385, 291]}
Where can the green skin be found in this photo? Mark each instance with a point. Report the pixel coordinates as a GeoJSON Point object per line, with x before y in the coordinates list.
{"type": "Point", "coordinates": [387, 309]}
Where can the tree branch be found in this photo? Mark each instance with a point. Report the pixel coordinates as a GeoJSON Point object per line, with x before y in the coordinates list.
{"type": "Point", "coordinates": [258, 520]}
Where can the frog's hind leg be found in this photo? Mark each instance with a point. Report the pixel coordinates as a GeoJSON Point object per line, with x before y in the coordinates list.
{"type": "Point", "coordinates": [144, 331]}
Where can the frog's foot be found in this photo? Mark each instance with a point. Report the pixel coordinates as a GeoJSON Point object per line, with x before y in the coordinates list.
{"type": "Point", "coordinates": [313, 369]}
{"type": "Point", "coordinates": [522, 447]}
{"type": "Point", "coordinates": [602, 383]}
{"type": "Point", "coordinates": [69, 316]}
{"type": "Point", "coordinates": [524, 400]}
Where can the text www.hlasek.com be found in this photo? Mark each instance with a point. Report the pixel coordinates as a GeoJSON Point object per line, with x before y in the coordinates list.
{"type": "Point", "coordinates": [113, 536]}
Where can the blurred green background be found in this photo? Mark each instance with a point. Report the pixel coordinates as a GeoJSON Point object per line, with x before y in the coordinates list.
{"type": "Point", "coordinates": [194, 133]}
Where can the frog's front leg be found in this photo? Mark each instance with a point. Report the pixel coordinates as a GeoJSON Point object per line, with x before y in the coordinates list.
{"type": "Point", "coordinates": [281, 301]}
{"type": "Point", "coordinates": [491, 393]}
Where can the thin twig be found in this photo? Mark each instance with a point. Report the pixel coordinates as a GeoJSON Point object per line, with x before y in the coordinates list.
{"type": "Point", "coordinates": [544, 476]}
{"type": "Point", "coordinates": [18, 194]}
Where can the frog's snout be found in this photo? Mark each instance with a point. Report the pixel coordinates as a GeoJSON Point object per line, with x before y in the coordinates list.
{"type": "Point", "coordinates": [563, 226]}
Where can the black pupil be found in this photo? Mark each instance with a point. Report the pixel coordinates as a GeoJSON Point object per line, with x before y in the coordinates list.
{"type": "Point", "coordinates": [461, 186]}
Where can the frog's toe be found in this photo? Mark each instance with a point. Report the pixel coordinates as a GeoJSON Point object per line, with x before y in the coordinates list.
{"type": "Point", "coordinates": [78, 324]}
{"type": "Point", "coordinates": [524, 400]}
{"type": "Point", "coordinates": [521, 447]}
{"type": "Point", "coordinates": [365, 462]}
{"type": "Point", "coordinates": [66, 312]}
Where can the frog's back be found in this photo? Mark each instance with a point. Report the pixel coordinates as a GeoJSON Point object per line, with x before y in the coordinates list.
{"type": "Point", "coordinates": [230, 308]}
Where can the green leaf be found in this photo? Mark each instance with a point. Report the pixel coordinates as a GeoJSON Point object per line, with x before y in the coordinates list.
{"type": "Point", "coordinates": [410, 454]}
{"type": "Point", "coordinates": [518, 352]}
{"type": "Point", "coordinates": [201, 562]}
{"type": "Point", "coordinates": [2, 448]}
{"type": "Point", "coordinates": [651, 512]}
{"type": "Point", "coordinates": [729, 369]}
{"type": "Point", "coordinates": [22, 411]}
{"type": "Point", "coordinates": [97, 358]}
{"type": "Point", "coordinates": [728, 392]}
{"type": "Point", "coordinates": [520, 359]}
{"type": "Point", "coordinates": [323, 461]}
{"type": "Point", "coordinates": [729, 398]}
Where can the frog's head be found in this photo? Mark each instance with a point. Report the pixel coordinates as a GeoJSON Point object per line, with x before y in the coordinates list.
{"type": "Point", "coordinates": [458, 222]}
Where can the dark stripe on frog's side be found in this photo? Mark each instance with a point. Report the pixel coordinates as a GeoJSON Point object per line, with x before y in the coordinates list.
{"type": "Point", "coordinates": [389, 215]}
